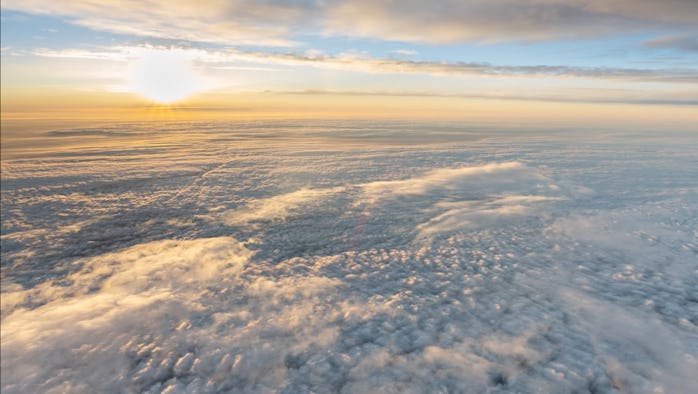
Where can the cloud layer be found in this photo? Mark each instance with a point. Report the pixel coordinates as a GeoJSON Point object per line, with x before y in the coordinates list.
{"type": "Point", "coordinates": [276, 22]}
{"type": "Point", "coordinates": [342, 257]}
{"type": "Point", "coordinates": [229, 22]}
{"type": "Point", "coordinates": [491, 21]}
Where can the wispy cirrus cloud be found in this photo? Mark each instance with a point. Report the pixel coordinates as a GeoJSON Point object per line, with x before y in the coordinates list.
{"type": "Point", "coordinates": [365, 63]}
{"type": "Point", "coordinates": [404, 52]}
{"type": "Point", "coordinates": [361, 62]}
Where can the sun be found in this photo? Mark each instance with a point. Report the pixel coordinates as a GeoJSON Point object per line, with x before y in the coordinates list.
{"type": "Point", "coordinates": [164, 77]}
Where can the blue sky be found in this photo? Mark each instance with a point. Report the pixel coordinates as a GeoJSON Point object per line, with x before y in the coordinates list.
{"type": "Point", "coordinates": [638, 51]}
{"type": "Point", "coordinates": [23, 31]}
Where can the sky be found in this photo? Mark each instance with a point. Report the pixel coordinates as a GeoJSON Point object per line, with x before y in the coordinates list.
{"type": "Point", "coordinates": [349, 196]}
{"type": "Point", "coordinates": [628, 62]}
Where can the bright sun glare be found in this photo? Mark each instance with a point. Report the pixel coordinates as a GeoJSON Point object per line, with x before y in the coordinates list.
{"type": "Point", "coordinates": [163, 77]}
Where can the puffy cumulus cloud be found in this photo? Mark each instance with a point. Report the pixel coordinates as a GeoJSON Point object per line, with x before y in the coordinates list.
{"type": "Point", "coordinates": [145, 290]}
{"type": "Point", "coordinates": [487, 21]}
{"type": "Point", "coordinates": [154, 268]}
{"type": "Point", "coordinates": [631, 234]}
{"type": "Point", "coordinates": [159, 316]}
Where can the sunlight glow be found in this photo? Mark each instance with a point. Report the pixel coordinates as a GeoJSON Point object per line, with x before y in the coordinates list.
{"type": "Point", "coordinates": [164, 77]}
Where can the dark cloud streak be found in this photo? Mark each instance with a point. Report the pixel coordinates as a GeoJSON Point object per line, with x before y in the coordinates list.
{"type": "Point", "coordinates": [557, 98]}
{"type": "Point", "coordinates": [683, 43]}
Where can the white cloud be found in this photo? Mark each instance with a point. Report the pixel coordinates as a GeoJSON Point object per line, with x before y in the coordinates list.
{"type": "Point", "coordinates": [642, 336]}
{"type": "Point", "coordinates": [152, 317]}
{"type": "Point", "coordinates": [277, 207]}
{"type": "Point", "coordinates": [108, 298]}
{"type": "Point", "coordinates": [114, 278]}
{"type": "Point", "coordinates": [468, 181]}
{"type": "Point", "coordinates": [628, 233]}
{"type": "Point", "coordinates": [489, 213]}
{"type": "Point", "coordinates": [404, 52]}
